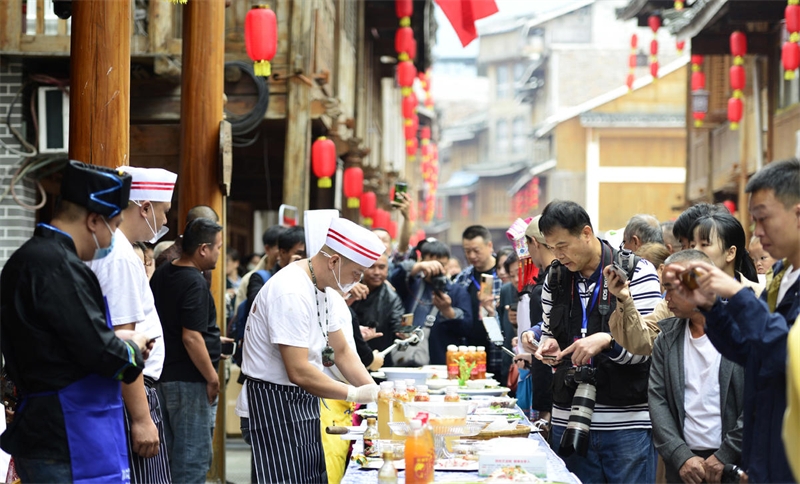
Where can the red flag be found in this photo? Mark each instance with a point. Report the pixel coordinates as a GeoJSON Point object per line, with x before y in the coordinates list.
{"type": "Point", "coordinates": [462, 15]}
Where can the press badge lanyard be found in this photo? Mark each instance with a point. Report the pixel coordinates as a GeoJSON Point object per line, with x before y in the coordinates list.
{"type": "Point", "coordinates": [600, 282]}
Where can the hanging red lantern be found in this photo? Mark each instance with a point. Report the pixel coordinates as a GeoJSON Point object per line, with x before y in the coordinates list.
{"type": "Point", "coordinates": [406, 72]}
{"type": "Point", "coordinates": [323, 161]}
{"type": "Point", "coordinates": [654, 69]}
{"type": "Point", "coordinates": [403, 8]}
{"type": "Point", "coordinates": [429, 101]}
{"type": "Point", "coordinates": [353, 186]}
{"type": "Point", "coordinates": [381, 219]}
{"type": "Point", "coordinates": [412, 146]}
{"type": "Point", "coordinates": [730, 205]}
{"type": "Point", "coordinates": [425, 132]}
{"type": "Point", "coordinates": [679, 45]}
{"type": "Point", "coordinates": [738, 46]}
{"type": "Point", "coordinates": [261, 38]}
{"type": "Point", "coordinates": [403, 43]}
{"type": "Point", "coordinates": [697, 59]}
{"type": "Point", "coordinates": [409, 130]}
{"type": "Point", "coordinates": [735, 110]}
{"type": "Point", "coordinates": [654, 47]}
{"type": "Point", "coordinates": [634, 41]}
{"type": "Point", "coordinates": [699, 101]}
{"type": "Point", "coordinates": [409, 105]}
{"type": "Point", "coordinates": [654, 22]}
{"type": "Point", "coordinates": [698, 117]}
{"type": "Point", "coordinates": [632, 62]}
{"type": "Point", "coordinates": [629, 81]}
{"type": "Point", "coordinates": [738, 79]}
{"type": "Point", "coordinates": [790, 57]}
{"type": "Point", "coordinates": [369, 204]}
{"type": "Point", "coordinates": [792, 16]}
{"type": "Point", "coordinates": [698, 80]}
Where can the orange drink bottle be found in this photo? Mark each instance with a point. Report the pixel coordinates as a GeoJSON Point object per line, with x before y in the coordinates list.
{"type": "Point", "coordinates": [385, 396]}
{"type": "Point", "coordinates": [419, 454]}
{"type": "Point", "coordinates": [472, 357]}
{"type": "Point", "coordinates": [452, 362]}
{"type": "Point", "coordinates": [481, 362]}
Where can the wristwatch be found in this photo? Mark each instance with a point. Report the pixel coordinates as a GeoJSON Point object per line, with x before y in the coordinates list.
{"type": "Point", "coordinates": [610, 343]}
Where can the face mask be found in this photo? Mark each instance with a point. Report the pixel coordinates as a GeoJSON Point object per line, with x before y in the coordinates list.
{"type": "Point", "coordinates": [346, 288]}
{"type": "Point", "coordinates": [99, 252]}
{"type": "Point", "coordinates": [161, 232]}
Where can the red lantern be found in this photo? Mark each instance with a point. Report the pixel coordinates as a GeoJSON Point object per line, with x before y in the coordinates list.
{"type": "Point", "coordinates": [261, 38]}
{"type": "Point", "coordinates": [737, 76]}
{"type": "Point", "coordinates": [629, 81]}
{"type": "Point", "coordinates": [792, 16]}
{"type": "Point", "coordinates": [406, 72]}
{"type": "Point", "coordinates": [654, 47]}
{"type": "Point", "coordinates": [634, 41]}
{"type": "Point", "coordinates": [323, 161]}
{"type": "Point", "coordinates": [632, 62]}
{"type": "Point", "coordinates": [409, 130]}
{"type": "Point", "coordinates": [381, 219]}
{"type": "Point", "coordinates": [698, 80]}
{"type": "Point", "coordinates": [698, 117]}
{"type": "Point", "coordinates": [679, 45]}
{"type": "Point", "coordinates": [353, 186]}
{"type": "Point", "coordinates": [730, 205]}
{"type": "Point", "coordinates": [411, 148]}
{"type": "Point", "coordinates": [404, 8]}
{"type": "Point", "coordinates": [369, 204]}
{"type": "Point", "coordinates": [654, 69]}
{"type": "Point", "coordinates": [412, 50]}
{"type": "Point", "coordinates": [409, 105]}
{"type": "Point", "coordinates": [735, 110]}
{"type": "Point", "coordinates": [697, 59]}
{"type": "Point", "coordinates": [654, 21]}
{"type": "Point", "coordinates": [425, 132]}
{"type": "Point", "coordinates": [790, 56]}
{"type": "Point", "coordinates": [738, 45]}
{"type": "Point", "coordinates": [403, 40]}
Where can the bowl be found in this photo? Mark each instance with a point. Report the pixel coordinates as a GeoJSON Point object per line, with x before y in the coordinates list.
{"type": "Point", "coordinates": [419, 375]}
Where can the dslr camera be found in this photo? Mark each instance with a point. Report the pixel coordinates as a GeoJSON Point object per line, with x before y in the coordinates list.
{"type": "Point", "coordinates": [439, 283]}
{"type": "Point", "coordinates": [576, 435]}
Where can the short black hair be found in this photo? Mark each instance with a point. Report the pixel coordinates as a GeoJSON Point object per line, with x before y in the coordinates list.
{"type": "Point", "coordinates": [565, 214]}
{"type": "Point", "coordinates": [646, 227]}
{"type": "Point", "coordinates": [685, 221]}
{"type": "Point", "coordinates": [435, 249]}
{"type": "Point", "coordinates": [781, 176]}
{"type": "Point", "coordinates": [474, 231]}
{"type": "Point", "coordinates": [512, 258]}
{"type": "Point", "coordinates": [198, 232]}
{"type": "Point", "coordinates": [687, 255]}
{"type": "Point", "coordinates": [233, 254]}
{"type": "Point", "coordinates": [291, 237]}
{"type": "Point", "coordinates": [270, 237]}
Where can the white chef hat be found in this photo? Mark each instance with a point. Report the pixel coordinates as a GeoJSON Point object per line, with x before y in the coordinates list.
{"type": "Point", "coordinates": [354, 242]}
{"type": "Point", "coordinates": [153, 184]}
{"type": "Point", "coordinates": [316, 223]}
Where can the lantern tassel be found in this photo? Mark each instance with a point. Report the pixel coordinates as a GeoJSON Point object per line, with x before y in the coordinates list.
{"type": "Point", "coordinates": [353, 202]}
{"type": "Point", "coordinates": [788, 75]}
{"type": "Point", "coordinates": [734, 126]}
{"type": "Point", "coordinates": [261, 68]}
{"type": "Point", "coordinates": [368, 221]}
{"type": "Point", "coordinates": [698, 123]}
{"type": "Point", "coordinates": [324, 182]}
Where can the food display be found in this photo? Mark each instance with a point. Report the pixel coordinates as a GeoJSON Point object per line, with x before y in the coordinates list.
{"type": "Point", "coordinates": [512, 474]}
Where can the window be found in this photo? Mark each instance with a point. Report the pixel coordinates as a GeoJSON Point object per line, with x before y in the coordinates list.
{"type": "Point", "coordinates": [519, 70]}
{"type": "Point", "coordinates": [502, 81]}
{"type": "Point", "coordinates": [518, 141]}
{"type": "Point", "coordinates": [501, 136]}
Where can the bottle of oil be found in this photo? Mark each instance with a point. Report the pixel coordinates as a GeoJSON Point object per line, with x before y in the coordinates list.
{"type": "Point", "coordinates": [385, 396]}
{"type": "Point", "coordinates": [388, 473]}
{"type": "Point", "coordinates": [371, 437]}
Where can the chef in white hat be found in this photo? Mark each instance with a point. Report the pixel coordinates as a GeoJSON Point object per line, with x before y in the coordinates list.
{"type": "Point", "coordinates": [291, 336]}
{"type": "Point", "coordinates": [126, 288]}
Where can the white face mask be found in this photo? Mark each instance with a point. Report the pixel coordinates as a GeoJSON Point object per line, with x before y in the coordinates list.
{"type": "Point", "coordinates": [347, 287]}
{"type": "Point", "coordinates": [161, 232]}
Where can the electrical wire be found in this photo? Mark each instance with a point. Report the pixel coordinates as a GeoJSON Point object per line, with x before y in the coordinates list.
{"type": "Point", "coordinates": [37, 167]}
{"type": "Point", "coordinates": [241, 125]}
{"type": "Point", "coordinates": [32, 149]}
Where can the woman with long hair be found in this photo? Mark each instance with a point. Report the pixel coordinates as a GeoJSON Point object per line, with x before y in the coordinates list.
{"type": "Point", "coordinates": [721, 237]}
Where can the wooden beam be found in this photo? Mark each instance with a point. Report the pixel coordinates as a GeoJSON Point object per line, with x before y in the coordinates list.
{"type": "Point", "coordinates": [159, 25]}
{"type": "Point", "coordinates": [298, 122]}
{"type": "Point", "coordinates": [11, 22]}
{"type": "Point", "coordinates": [39, 17]}
{"type": "Point", "coordinates": [719, 44]}
{"type": "Point", "coordinates": [100, 73]}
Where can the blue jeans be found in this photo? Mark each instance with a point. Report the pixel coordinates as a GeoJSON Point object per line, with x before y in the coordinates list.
{"type": "Point", "coordinates": [42, 470]}
{"type": "Point", "coordinates": [186, 413]}
{"type": "Point", "coordinates": [613, 456]}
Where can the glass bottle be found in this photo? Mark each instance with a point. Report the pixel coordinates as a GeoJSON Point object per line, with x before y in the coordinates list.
{"type": "Point", "coordinates": [481, 362]}
{"type": "Point", "coordinates": [451, 394]}
{"type": "Point", "coordinates": [371, 437]}
{"type": "Point", "coordinates": [420, 454]}
{"type": "Point", "coordinates": [452, 362]}
{"type": "Point", "coordinates": [398, 401]}
{"type": "Point", "coordinates": [472, 357]}
{"type": "Point", "coordinates": [387, 474]}
{"type": "Point", "coordinates": [411, 389]}
{"type": "Point", "coordinates": [422, 394]}
{"type": "Point", "coordinates": [385, 396]}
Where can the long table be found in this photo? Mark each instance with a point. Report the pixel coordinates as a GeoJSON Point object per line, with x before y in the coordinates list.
{"type": "Point", "coordinates": [556, 470]}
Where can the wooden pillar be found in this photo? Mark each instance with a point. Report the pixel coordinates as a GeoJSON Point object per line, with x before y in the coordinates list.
{"type": "Point", "coordinates": [296, 161]}
{"type": "Point", "coordinates": [202, 90]}
{"type": "Point", "coordinates": [100, 73]}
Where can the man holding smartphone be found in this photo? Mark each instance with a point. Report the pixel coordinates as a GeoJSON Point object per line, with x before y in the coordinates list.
{"type": "Point", "coordinates": [127, 290]}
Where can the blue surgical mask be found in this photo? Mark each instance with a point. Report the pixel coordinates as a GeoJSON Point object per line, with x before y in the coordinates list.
{"type": "Point", "coordinates": [101, 252]}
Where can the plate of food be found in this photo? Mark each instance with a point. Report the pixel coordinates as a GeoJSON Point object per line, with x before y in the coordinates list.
{"type": "Point", "coordinates": [454, 464]}
{"type": "Point", "coordinates": [512, 474]}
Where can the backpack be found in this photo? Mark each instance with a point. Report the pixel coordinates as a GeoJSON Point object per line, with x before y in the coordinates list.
{"type": "Point", "coordinates": [239, 322]}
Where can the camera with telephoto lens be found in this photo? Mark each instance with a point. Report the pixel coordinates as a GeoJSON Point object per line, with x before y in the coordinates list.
{"type": "Point", "coordinates": [439, 283]}
{"type": "Point", "coordinates": [576, 436]}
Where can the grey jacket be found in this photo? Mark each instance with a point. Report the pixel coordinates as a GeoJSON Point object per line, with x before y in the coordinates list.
{"type": "Point", "coordinates": [666, 393]}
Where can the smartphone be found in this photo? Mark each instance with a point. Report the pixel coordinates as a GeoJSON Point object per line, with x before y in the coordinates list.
{"type": "Point", "coordinates": [400, 187]}
{"type": "Point", "coordinates": [621, 274]}
{"type": "Point", "coordinates": [408, 320]}
{"type": "Point", "coordinates": [487, 284]}
{"type": "Point", "coordinates": [153, 339]}
{"type": "Point", "coordinates": [229, 348]}
{"type": "Point", "coordinates": [548, 357]}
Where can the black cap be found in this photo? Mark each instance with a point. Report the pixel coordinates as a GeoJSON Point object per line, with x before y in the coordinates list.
{"type": "Point", "coordinates": [101, 190]}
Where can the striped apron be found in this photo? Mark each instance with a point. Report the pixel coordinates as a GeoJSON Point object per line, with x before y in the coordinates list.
{"type": "Point", "coordinates": [285, 432]}
{"type": "Point", "coordinates": [154, 470]}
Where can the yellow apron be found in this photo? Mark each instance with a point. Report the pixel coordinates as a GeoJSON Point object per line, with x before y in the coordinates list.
{"type": "Point", "coordinates": [791, 419]}
{"type": "Point", "coordinates": [335, 412]}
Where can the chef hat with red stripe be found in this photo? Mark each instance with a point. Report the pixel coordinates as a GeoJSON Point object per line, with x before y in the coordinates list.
{"type": "Point", "coordinates": [354, 242]}
{"type": "Point", "coordinates": [153, 184]}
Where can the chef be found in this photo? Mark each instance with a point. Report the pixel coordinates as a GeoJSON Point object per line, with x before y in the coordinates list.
{"type": "Point", "coordinates": [291, 336]}
{"type": "Point", "coordinates": [57, 342]}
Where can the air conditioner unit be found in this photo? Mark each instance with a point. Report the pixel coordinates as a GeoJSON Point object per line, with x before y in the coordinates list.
{"type": "Point", "coordinates": [53, 115]}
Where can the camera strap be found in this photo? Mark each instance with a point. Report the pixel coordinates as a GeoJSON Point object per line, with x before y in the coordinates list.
{"type": "Point", "coordinates": [604, 304]}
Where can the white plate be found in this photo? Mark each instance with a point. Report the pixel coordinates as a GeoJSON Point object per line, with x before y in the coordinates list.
{"type": "Point", "coordinates": [495, 392]}
{"type": "Point", "coordinates": [441, 464]}
{"type": "Point", "coordinates": [419, 375]}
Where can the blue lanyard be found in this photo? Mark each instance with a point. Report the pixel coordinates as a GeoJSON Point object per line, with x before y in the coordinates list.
{"type": "Point", "coordinates": [54, 229]}
{"type": "Point", "coordinates": [478, 284]}
{"type": "Point", "coordinates": [585, 322]}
